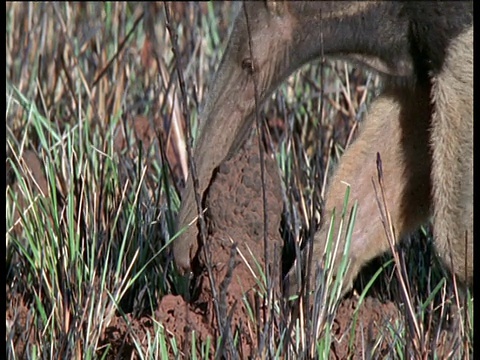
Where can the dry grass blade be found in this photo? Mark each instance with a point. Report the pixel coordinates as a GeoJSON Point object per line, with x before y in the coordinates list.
{"type": "Point", "coordinates": [267, 321]}
{"type": "Point", "coordinates": [120, 48]}
{"type": "Point", "coordinates": [193, 173]}
{"type": "Point", "coordinates": [416, 329]}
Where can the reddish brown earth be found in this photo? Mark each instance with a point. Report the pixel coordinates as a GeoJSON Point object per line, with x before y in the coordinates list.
{"type": "Point", "coordinates": [234, 216]}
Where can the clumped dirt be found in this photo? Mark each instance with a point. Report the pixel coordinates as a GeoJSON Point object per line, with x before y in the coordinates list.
{"type": "Point", "coordinates": [235, 238]}
{"type": "Point", "coordinates": [372, 322]}
{"type": "Point", "coordinates": [235, 216]}
{"type": "Point", "coordinates": [235, 250]}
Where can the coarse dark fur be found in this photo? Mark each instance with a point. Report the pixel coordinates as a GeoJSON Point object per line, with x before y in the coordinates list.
{"type": "Point", "coordinates": [421, 125]}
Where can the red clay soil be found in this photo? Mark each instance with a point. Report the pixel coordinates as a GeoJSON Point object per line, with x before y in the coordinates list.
{"type": "Point", "coordinates": [234, 216]}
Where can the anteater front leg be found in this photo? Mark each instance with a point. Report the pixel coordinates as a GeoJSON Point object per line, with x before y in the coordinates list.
{"type": "Point", "coordinates": [396, 127]}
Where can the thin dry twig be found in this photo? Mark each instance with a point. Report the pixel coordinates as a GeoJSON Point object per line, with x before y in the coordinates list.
{"type": "Point", "coordinates": [415, 328]}
{"type": "Point", "coordinates": [120, 48]}
{"type": "Point", "coordinates": [193, 173]}
{"type": "Point", "coordinates": [267, 320]}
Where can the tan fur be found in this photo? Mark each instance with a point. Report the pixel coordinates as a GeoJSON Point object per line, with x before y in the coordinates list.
{"type": "Point", "coordinates": [421, 126]}
{"type": "Point", "coordinates": [452, 147]}
{"type": "Point", "coordinates": [397, 129]}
